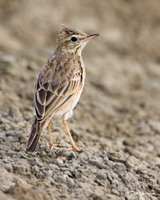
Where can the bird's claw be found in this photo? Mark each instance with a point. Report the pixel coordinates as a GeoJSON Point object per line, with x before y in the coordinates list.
{"type": "Point", "coordinates": [74, 148]}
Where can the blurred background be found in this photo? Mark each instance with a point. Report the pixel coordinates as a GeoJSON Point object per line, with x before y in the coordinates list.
{"type": "Point", "coordinates": [122, 65]}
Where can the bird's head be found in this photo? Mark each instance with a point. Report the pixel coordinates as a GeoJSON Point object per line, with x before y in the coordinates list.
{"type": "Point", "coordinates": [72, 40]}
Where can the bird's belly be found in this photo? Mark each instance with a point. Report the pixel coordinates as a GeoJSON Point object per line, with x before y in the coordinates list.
{"type": "Point", "coordinates": [67, 108]}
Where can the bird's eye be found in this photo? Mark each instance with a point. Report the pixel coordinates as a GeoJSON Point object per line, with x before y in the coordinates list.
{"type": "Point", "coordinates": [74, 39]}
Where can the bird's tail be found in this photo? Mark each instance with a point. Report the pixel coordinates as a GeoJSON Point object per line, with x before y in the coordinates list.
{"type": "Point", "coordinates": [36, 130]}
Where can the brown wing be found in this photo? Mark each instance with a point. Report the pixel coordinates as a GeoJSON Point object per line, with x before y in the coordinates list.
{"type": "Point", "coordinates": [53, 90]}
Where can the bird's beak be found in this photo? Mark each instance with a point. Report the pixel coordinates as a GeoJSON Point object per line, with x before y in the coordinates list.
{"type": "Point", "coordinates": [90, 37]}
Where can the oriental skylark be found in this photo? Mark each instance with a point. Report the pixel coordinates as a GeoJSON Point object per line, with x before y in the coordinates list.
{"type": "Point", "coordinates": [59, 85]}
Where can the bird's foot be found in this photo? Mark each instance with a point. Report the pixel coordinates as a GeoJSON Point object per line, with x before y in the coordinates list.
{"type": "Point", "coordinates": [53, 147]}
{"type": "Point", "coordinates": [74, 148]}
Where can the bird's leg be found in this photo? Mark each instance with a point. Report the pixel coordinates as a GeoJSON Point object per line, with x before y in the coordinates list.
{"type": "Point", "coordinates": [74, 147]}
{"type": "Point", "coordinates": [50, 137]}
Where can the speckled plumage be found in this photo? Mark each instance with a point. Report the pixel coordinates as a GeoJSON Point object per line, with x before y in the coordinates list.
{"type": "Point", "coordinates": [60, 82]}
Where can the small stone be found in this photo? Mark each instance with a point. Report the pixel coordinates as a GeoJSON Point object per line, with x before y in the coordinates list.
{"type": "Point", "coordinates": [37, 161]}
{"type": "Point", "coordinates": [6, 63]}
{"type": "Point", "coordinates": [43, 153]}
{"type": "Point", "coordinates": [21, 168]}
{"type": "Point", "coordinates": [62, 178]}
{"type": "Point", "coordinates": [35, 170]}
{"type": "Point", "coordinates": [110, 163]}
{"type": "Point", "coordinates": [155, 125]}
{"type": "Point", "coordinates": [114, 197]}
{"type": "Point", "coordinates": [46, 171]}
{"type": "Point", "coordinates": [15, 113]}
{"type": "Point", "coordinates": [22, 155]}
{"type": "Point", "coordinates": [143, 128]}
{"type": "Point", "coordinates": [7, 58]}
{"type": "Point", "coordinates": [27, 115]}
{"type": "Point", "coordinates": [8, 167]}
{"type": "Point", "coordinates": [131, 162]}
{"type": "Point", "coordinates": [53, 167]}
{"type": "Point", "coordinates": [114, 191]}
{"type": "Point", "coordinates": [41, 175]}
{"type": "Point", "coordinates": [115, 182]}
{"type": "Point", "coordinates": [101, 175]}
{"type": "Point", "coordinates": [6, 180]}
{"type": "Point", "coordinates": [84, 156]}
{"type": "Point", "coordinates": [70, 182]}
{"type": "Point", "coordinates": [96, 197]}
{"type": "Point", "coordinates": [119, 169]}
{"type": "Point", "coordinates": [68, 154]}
{"type": "Point", "coordinates": [45, 168]}
{"type": "Point", "coordinates": [10, 153]}
{"type": "Point", "coordinates": [12, 139]}
{"type": "Point", "coordinates": [49, 173]}
{"type": "Point", "coordinates": [17, 146]}
{"type": "Point", "coordinates": [111, 176]}
{"type": "Point", "coordinates": [58, 162]}
{"type": "Point", "coordinates": [68, 173]}
{"type": "Point", "coordinates": [77, 173]}
{"type": "Point", "coordinates": [31, 65]}
{"type": "Point", "coordinates": [95, 162]}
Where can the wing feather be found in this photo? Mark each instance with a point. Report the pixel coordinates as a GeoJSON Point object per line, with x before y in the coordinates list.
{"type": "Point", "coordinates": [41, 96]}
{"type": "Point", "coordinates": [52, 93]}
{"type": "Point", "coordinates": [40, 108]}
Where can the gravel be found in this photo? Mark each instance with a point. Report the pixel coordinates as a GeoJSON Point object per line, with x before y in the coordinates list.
{"type": "Point", "coordinates": [91, 173]}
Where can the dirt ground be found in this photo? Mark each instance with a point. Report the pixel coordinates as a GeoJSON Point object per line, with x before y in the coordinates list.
{"type": "Point", "coordinates": [117, 118]}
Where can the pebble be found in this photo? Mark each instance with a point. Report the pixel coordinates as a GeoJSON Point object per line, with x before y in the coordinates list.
{"type": "Point", "coordinates": [96, 196]}
{"type": "Point", "coordinates": [62, 178]}
{"type": "Point", "coordinates": [143, 128]}
{"type": "Point", "coordinates": [36, 161]}
{"type": "Point", "coordinates": [115, 182]}
{"type": "Point", "coordinates": [131, 162]}
{"type": "Point", "coordinates": [109, 162]}
{"type": "Point", "coordinates": [8, 167]}
{"type": "Point", "coordinates": [31, 65]}
{"type": "Point", "coordinates": [47, 173]}
{"type": "Point", "coordinates": [158, 181]}
{"type": "Point", "coordinates": [70, 182]}
{"type": "Point", "coordinates": [68, 154]}
{"type": "Point", "coordinates": [114, 191]}
{"type": "Point", "coordinates": [101, 175]}
{"type": "Point", "coordinates": [96, 163]}
{"type": "Point", "coordinates": [21, 168]}
{"type": "Point", "coordinates": [53, 167]}
{"type": "Point", "coordinates": [17, 147]}
{"type": "Point", "coordinates": [109, 177]}
{"type": "Point", "coordinates": [119, 169]}
{"type": "Point", "coordinates": [77, 173]}
{"type": "Point", "coordinates": [15, 113]}
{"type": "Point", "coordinates": [6, 180]}
{"type": "Point", "coordinates": [10, 153]}
{"type": "Point", "coordinates": [58, 162]}
{"type": "Point", "coordinates": [35, 170]}
{"type": "Point", "coordinates": [155, 125]}
{"type": "Point", "coordinates": [41, 175]}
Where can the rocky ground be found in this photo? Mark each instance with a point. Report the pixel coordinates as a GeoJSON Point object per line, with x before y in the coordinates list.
{"type": "Point", "coordinates": [117, 118]}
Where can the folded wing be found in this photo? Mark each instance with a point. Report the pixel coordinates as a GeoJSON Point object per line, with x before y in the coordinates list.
{"type": "Point", "coordinates": [50, 95]}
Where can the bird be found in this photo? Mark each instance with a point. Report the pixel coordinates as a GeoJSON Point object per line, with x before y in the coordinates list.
{"type": "Point", "coordinates": [59, 85]}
